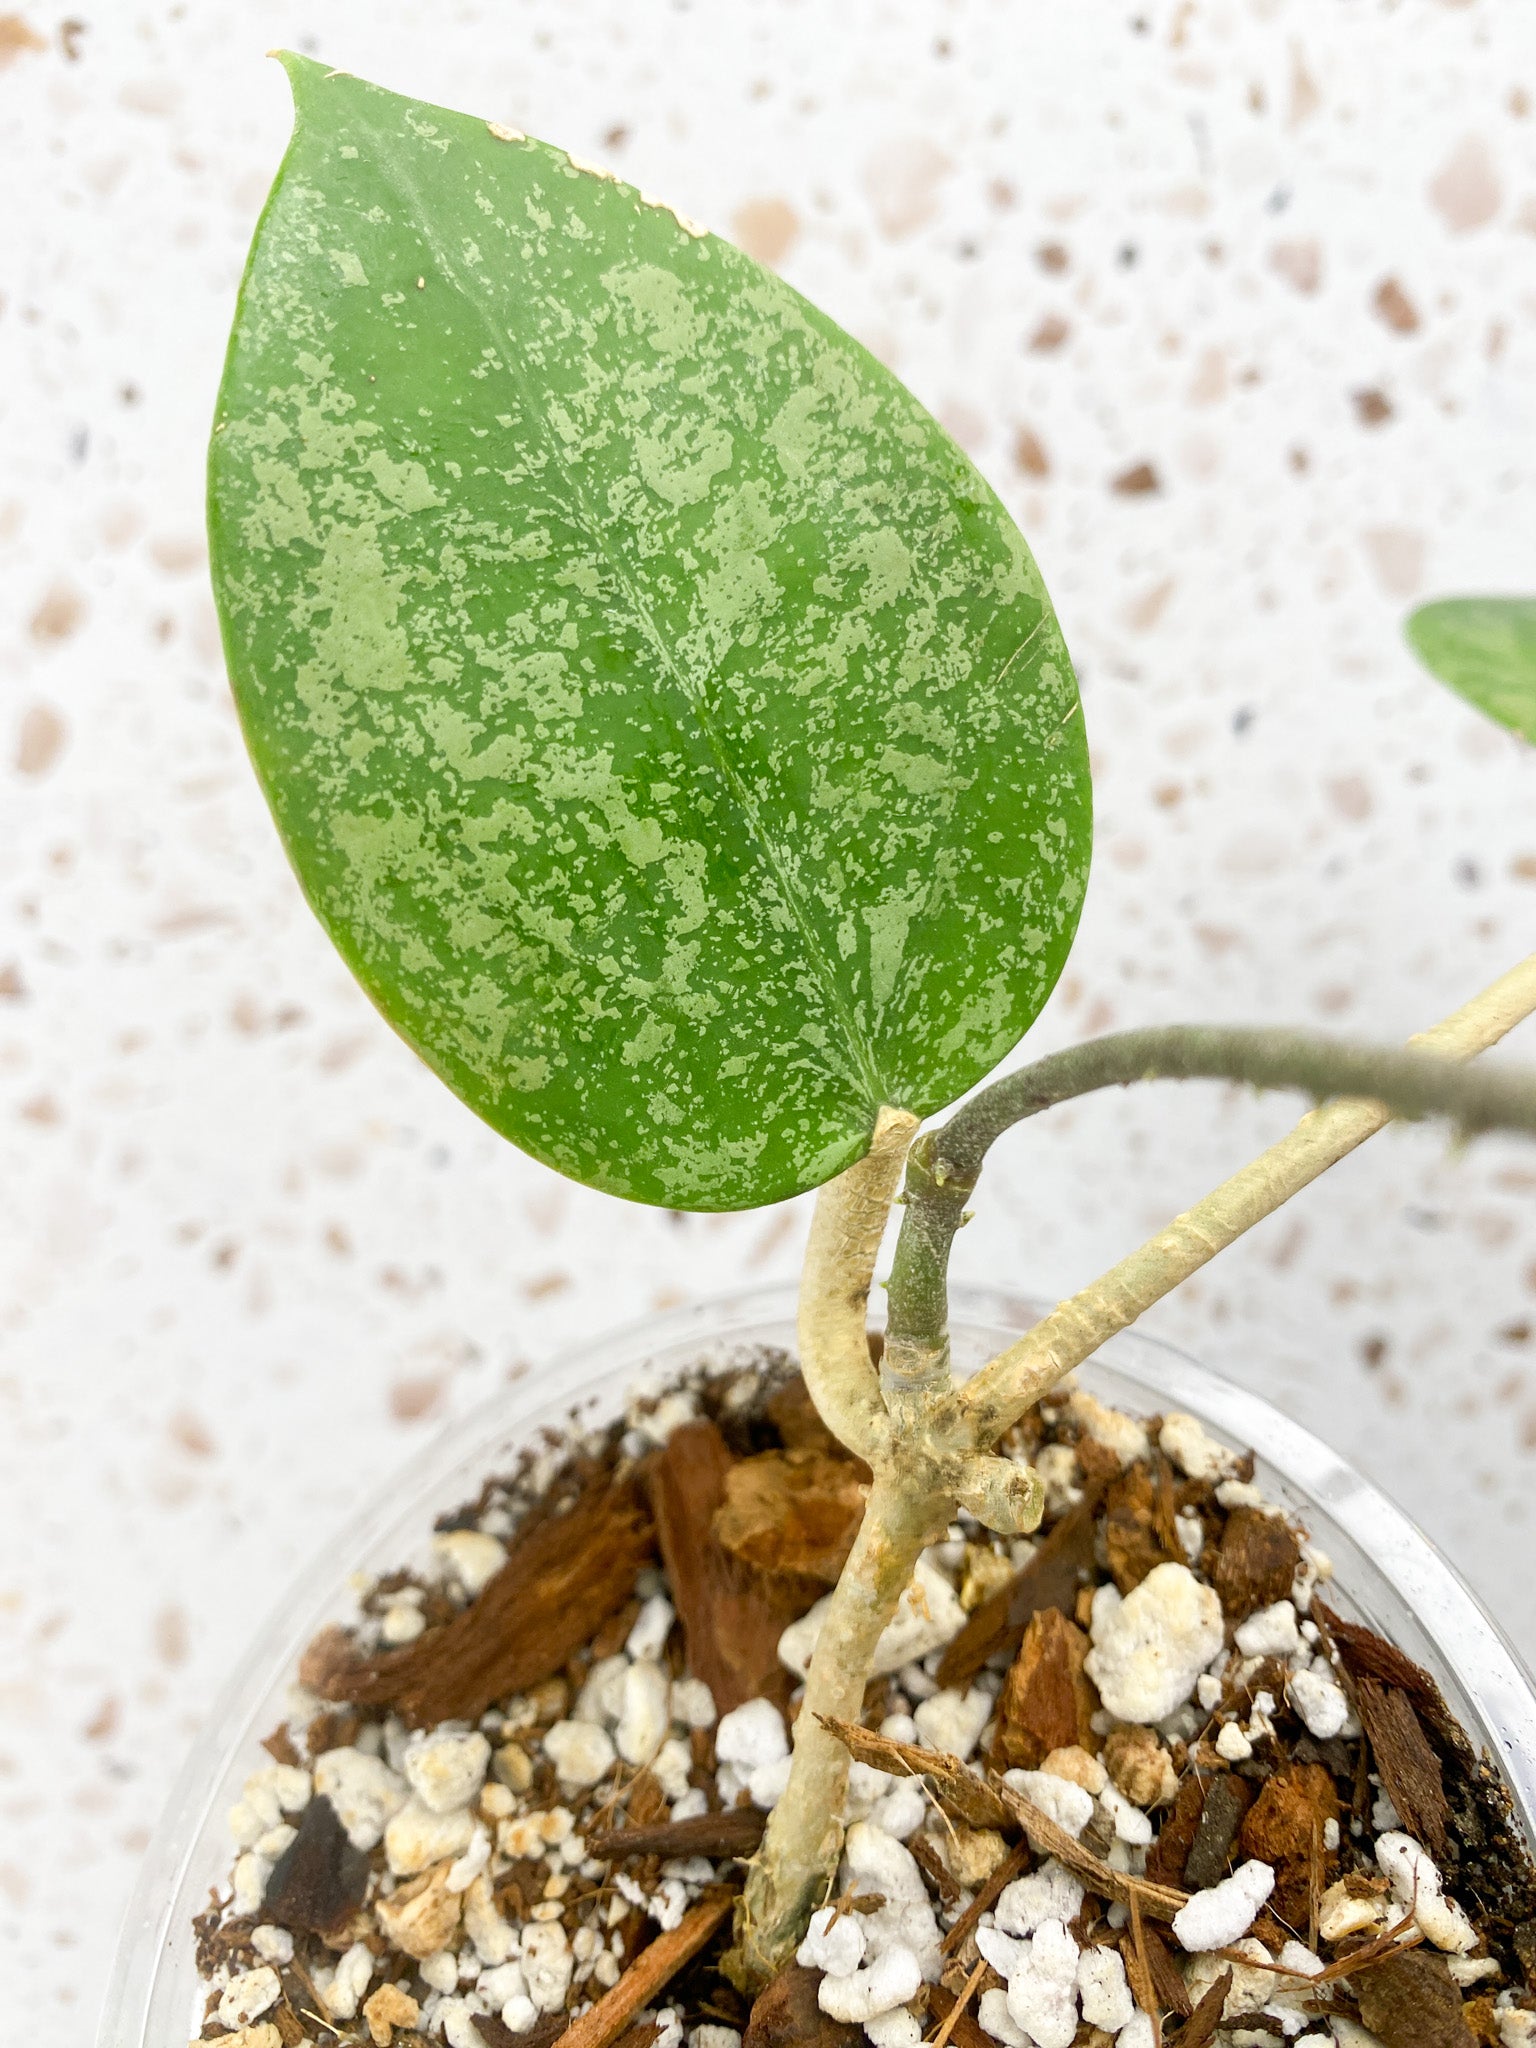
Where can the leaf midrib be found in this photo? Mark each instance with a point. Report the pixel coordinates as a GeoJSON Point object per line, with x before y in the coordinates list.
{"type": "Point", "coordinates": [858, 1044]}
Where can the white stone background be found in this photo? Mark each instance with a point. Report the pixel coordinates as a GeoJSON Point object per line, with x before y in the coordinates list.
{"type": "Point", "coordinates": [254, 1254]}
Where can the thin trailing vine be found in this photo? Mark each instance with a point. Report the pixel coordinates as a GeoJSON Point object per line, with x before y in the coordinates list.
{"type": "Point", "coordinates": [944, 1165]}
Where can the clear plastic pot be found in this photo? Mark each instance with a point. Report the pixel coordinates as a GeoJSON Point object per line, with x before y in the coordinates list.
{"type": "Point", "coordinates": [1387, 1574]}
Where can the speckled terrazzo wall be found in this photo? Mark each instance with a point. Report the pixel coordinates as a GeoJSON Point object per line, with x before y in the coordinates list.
{"type": "Point", "coordinates": [1236, 305]}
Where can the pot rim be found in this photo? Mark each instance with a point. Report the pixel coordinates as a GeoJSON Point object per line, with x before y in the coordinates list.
{"type": "Point", "coordinates": [1490, 1689]}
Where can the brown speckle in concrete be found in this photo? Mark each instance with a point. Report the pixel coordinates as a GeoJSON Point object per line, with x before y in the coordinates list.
{"type": "Point", "coordinates": [57, 614]}
{"type": "Point", "coordinates": [1350, 796]}
{"type": "Point", "coordinates": [1305, 95]}
{"type": "Point", "coordinates": [106, 1720]}
{"type": "Point", "coordinates": [189, 1433]}
{"type": "Point", "coordinates": [1144, 611]}
{"type": "Point", "coordinates": [1466, 191]}
{"type": "Point", "coordinates": [1372, 407]}
{"type": "Point", "coordinates": [1397, 555]}
{"type": "Point", "coordinates": [1299, 262]}
{"type": "Point", "coordinates": [178, 554]}
{"type": "Point", "coordinates": [766, 229]}
{"type": "Point", "coordinates": [17, 39]}
{"type": "Point", "coordinates": [1139, 481]}
{"type": "Point", "coordinates": [171, 1635]}
{"type": "Point", "coordinates": [902, 181]}
{"type": "Point", "coordinates": [39, 740]}
{"type": "Point", "coordinates": [1029, 453]}
{"type": "Point", "coordinates": [416, 1400]}
{"type": "Point", "coordinates": [1393, 305]}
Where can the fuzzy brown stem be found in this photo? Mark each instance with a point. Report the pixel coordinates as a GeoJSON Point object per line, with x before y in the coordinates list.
{"type": "Point", "coordinates": [1011, 1384]}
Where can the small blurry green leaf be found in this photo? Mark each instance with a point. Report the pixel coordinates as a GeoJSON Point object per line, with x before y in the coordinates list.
{"type": "Point", "coordinates": [1485, 648]}
{"type": "Point", "coordinates": [665, 720]}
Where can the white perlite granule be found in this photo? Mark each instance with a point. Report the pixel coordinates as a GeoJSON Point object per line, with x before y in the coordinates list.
{"type": "Point", "coordinates": [1233, 1744]}
{"type": "Point", "coordinates": [445, 1769]}
{"type": "Point", "coordinates": [1319, 1701]}
{"type": "Point", "coordinates": [418, 1837]}
{"type": "Point", "coordinates": [644, 1713]}
{"type": "Point", "coordinates": [1112, 1427]}
{"type": "Point", "coordinates": [751, 1735]}
{"type": "Point", "coordinates": [1271, 1632]}
{"type": "Point", "coordinates": [898, 2028]}
{"type": "Point", "coordinates": [890, 1980]}
{"type": "Point", "coordinates": [580, 1752]}
{"type": "Point", "coordinates": [1150, 1647]}
{"type": "Point", "coordinates": [1102, 1987]}
{"type": "Point", "coordinates": [248, 1996]}
{"type": "Point", "coordinates": [1057, 1798]}
{"type": "Point", "coordinates": [834, 1943]}
{"type": "Point", "coordinates": [365, 1792]}
{"type": "Point", "coordinates": [1222, 1915]}
{"type": "Point", "coordinates": [472, 1558]}
{"type": "Point", "coordinates": [1197, 1455]}
{"type": "Point", "coordinates": [1417, 1885]}
{"type": "Point", "coordinates": [1042, 1989]}
{"type": "Point", "coordinates": [928, 1617]}
{"type": "Point", "coordinates": [952, 1721]}
{"type": "Point", "coordinates": [1049, 1893]}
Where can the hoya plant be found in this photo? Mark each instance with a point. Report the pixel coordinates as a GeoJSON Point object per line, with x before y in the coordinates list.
{"type": "Point", "coordinates": [672, 731]}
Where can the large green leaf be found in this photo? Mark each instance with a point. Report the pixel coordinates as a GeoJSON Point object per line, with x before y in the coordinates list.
{"type": "Point", "coordinates": [667, 723]}
{"type": "Point", "coordinates": [1485, 648]}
